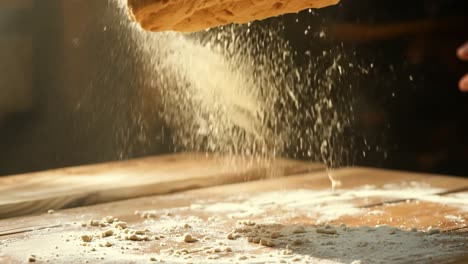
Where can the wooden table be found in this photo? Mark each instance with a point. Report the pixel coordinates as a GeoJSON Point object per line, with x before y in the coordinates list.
{"type": "Point", "coordinates": [286, 209]}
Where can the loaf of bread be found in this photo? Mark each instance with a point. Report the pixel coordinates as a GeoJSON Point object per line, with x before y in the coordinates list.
{"type": "Point", "coordinates": [195, 15]}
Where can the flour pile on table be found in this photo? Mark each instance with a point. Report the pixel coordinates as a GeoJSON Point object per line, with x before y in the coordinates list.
{"type": "Point", "coordinates": [204, 241]}
{"type": "Point", "coordinates": [326, 205]}
{"type": "Point", "coordinates": [295, 226]}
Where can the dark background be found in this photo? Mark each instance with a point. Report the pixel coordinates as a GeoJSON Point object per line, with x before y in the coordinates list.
{"type": "Point", "coordinates": [408, 113]}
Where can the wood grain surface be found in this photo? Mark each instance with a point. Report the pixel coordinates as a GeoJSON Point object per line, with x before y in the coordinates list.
{"type": "Point", "coordinates": [85, 185]}
{"type": "Point", "coordinates": [372, 197]}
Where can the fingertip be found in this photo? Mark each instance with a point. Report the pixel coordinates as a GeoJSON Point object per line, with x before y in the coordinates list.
{"type": "Point", "coordinates": [462, 52]}
{"type": "Point", "coordinates": [463, 84]}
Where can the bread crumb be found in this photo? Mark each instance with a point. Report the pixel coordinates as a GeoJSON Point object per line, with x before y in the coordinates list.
{"type": "Point", "coordinates": [148, 215]}
{"type": "Point", "coordinates": [297, 242]}
{"type": "Point", "coordinates": [167, 251]}
{"type": "Point", "coordinates": [32, 258]}
{"type": "Point", "coordinates": [153, 259]}
{"type": "Point", "coordinates": [94, 222]}
{"type": "Point", "coordinates": [228, 249]}
{"type": "Point", "coordinates": [51, 211]}
{"type": "Point", "coordinates": [189, 239]}
{"type": "Point", "coordinates": [108, 232]}
{"type": "Point", "coordinates": [231, 236]}
{"type": "Point", "coordinates": [241, 257]}
{"type": "Point", "coordinates": [326, 231]}
{"type": "Point", "coordinates": [263, 242]}
{"type": "Point", "coordinates": [246, 222]}
{"type": "Point", "coordinates": [299, 230]}
{"type": "Point", "coordinates": [433, 231]}
{"type": "Point", "coordinates": [183, 251]}
{"type": "Point", "coordinates": [134, 237]}
{"type": "Point", "coordinates": [138, 232]}
{"type": "Point", "coordinates": [109, 219]}
{"type": "Point", "coordinates": [286, 252]}
{"type": "Point", "coordinates": [275, 235]}
{"type": "Point", "coordinates": [121, 225]}
{"type": "Point", "coordinates": [86, 238]}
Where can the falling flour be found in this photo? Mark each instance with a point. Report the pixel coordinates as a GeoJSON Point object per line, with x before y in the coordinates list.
{"type": "Point", "coordinates": [238, 91]}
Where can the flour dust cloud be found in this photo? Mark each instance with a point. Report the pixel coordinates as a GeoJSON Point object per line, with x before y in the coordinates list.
{"type": "Point", "coordinates": [237, 91]}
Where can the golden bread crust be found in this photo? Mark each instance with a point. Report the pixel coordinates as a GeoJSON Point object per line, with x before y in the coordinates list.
{"type": "Point", "coordinates": [196, 15]}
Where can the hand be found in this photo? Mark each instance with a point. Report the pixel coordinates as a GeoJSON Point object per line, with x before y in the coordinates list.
{"type": "Point", "coordinates": [462, 53]}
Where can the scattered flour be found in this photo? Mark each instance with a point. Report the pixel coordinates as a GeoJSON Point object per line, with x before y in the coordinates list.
{"type": "Point", "coordinates": [326, 205]}
{"type": "Point", "coordinates": [286, 230]}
